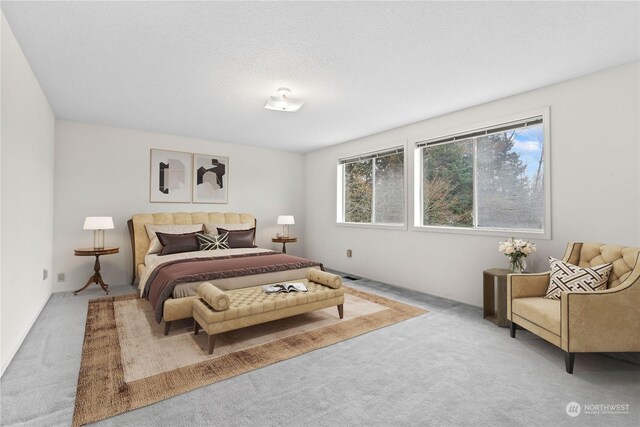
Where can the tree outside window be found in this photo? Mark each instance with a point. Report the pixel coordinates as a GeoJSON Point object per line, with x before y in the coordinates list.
{"type": "Point", "coordinates": [373, 188]}
{"type": "Point", "coordinates": [493, 180]}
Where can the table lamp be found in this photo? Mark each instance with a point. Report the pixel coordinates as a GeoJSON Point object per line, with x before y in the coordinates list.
{"type": "Point", "coordinates": [98, 224]}
{"type": "Point", "coordinates": [285, 220]}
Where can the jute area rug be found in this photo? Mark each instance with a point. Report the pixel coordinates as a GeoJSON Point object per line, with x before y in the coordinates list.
{"type": "Point", "coordinates": [128, 363]}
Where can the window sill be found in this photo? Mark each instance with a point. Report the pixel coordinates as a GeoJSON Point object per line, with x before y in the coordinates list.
{"type": "Point", "coordinates": [499, 232]}
{"type": "Point", "coordinates": [397, 227]}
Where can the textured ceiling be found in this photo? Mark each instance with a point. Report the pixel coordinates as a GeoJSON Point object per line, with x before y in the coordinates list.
{"type": "Point", "coordinates": [206, 69]}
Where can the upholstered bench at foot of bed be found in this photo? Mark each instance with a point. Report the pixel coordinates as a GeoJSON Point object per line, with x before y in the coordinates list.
{"type": "Point", "coordinates": [217, 311]}
{"type": "Point", "coordinates": [176, 309]}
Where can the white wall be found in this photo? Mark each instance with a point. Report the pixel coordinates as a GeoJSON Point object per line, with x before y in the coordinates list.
{"type": "Point", "coordinates": [595, 189]}
{"type": "Point", "coordinates": [104, 171]}
{"type": "Point", "coordinates": [28, 132]}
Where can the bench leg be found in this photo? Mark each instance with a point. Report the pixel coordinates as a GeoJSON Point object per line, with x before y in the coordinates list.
{"type": "Point", "coordinates": [167, 326]}
{"type": "Point", "coordinates": [196, 327]}
{"type": "Point", "coordinates": [212, 339]}
{"type": "Point", "coordinates": [341, 310]}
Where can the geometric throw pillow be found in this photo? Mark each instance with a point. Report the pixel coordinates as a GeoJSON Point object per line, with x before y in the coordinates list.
{"type": "Point", "coordinates": [568, 277]}
{"type": "Point", "coordinates": [209, 242]}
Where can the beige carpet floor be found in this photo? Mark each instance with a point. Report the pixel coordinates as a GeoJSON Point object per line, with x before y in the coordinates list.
{"type": "Point", "coordinates": [128, 363]}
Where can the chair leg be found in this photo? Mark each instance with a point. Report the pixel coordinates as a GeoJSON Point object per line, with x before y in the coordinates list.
{"type": "Point", "coordinates": [569, 358]}
{"type": "Point", "coordinates": [341, 310]}
{"type": "Point", "coordinates": [212, 339]}
{"type": "Point", "coordinates": [512, 329]}
{"type": "Point", "coordinates": [196, 327]}
{"type": "Point", "coordinates": [167, 326]}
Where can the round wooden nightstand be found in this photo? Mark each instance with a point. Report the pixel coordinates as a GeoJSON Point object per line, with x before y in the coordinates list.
{"type": "Point", "coordinates": [284, 241]}
{"type": "Point", "coordinates": [96, 278]}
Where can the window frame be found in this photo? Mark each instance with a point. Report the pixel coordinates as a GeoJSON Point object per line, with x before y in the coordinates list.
{"type": "Point", "coordinates": [340, 194]}
{"type": "Point", "coordinates": [418, 179]}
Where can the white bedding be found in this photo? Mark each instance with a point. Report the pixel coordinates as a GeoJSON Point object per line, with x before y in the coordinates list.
{"type": "Point", "coordinates": [188, 289]}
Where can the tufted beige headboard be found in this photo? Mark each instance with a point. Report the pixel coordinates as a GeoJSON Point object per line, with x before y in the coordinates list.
{"type": "Point", "coordinates": [140, 239]}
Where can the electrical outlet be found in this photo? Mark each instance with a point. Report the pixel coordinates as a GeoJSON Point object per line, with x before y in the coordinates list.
{"type": "Point", "coordinates": [349, 253]}
{"type": "Point", "coordinates": [60, 277]}
{"type": "Point", "coordinates": [45, 274]}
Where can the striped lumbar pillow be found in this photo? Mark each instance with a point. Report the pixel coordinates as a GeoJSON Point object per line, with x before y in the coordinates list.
{"type": "Point", "coordinates": [568, 277]}
{"type": "Point", "coordinates": [209, 242]}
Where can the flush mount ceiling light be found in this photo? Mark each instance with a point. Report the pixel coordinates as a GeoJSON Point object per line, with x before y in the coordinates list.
{"type": "Point", "coordinates": [283, 102]}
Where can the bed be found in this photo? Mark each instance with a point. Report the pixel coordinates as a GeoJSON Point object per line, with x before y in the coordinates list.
{"type": "Point", "coordinates": [170, 282]}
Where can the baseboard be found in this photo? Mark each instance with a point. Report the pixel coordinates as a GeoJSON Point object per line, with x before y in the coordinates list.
{"type": "Point", "coordinates": [24, 335]}
{"type": "Point", "coordinates": [356, 277]}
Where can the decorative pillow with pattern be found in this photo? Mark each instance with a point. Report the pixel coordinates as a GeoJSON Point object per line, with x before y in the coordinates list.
{"type": "Point", "coordinates": [210, 242]}
{"type": "Point", "coordinates": [568, 277]}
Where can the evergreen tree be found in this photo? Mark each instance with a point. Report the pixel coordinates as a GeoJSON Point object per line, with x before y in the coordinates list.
{"type": "Point", "coordinates": [387, 188]}
{"type": "Point", "coordinates": [448, 184]}
{"type": "Point", "coordinates": [506, 197]}
{"type": "Point", "coordinates": [503, 186]}
{"type": "Point", "coordinates": [358, 190]}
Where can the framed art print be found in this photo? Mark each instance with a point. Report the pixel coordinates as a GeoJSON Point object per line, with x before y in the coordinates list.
{"type": "Point", "coordinates": [170, 176]}
{"type": "Point", "coordinates": [210, 178]}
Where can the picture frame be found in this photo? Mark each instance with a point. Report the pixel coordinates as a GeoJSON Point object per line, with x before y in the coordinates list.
{"type": "Point", "coordinates": [170, 176]}
{"type": "Point", "coordinates": [210, 178]}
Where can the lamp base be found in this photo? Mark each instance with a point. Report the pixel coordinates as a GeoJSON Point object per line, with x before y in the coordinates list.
{"type": "Point", "coordinates": [98, 239]}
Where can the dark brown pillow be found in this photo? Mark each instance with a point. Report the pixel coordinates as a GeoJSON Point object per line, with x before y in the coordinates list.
{"type": "Point", "coordinates": [239, 238]}
{"type": "Point", "coordinates": [176, 243]}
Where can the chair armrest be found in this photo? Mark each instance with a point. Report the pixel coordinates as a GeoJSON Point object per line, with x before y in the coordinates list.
{"type": "Point", "coordinates": [602, 321]}
{"type": "Point", "coordinates": [526, 285]}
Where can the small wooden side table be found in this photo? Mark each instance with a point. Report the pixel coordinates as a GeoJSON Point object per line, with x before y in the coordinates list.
{"type": "Point", "coordinates": [495, 307]}
{"type": "Point", "coordinates": [284, 241]}
{"type": "Point", "coordinates": [96, 278]}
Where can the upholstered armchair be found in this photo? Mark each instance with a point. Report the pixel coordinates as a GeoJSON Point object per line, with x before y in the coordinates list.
{"type": "Point", "coordinates": [582, 322]}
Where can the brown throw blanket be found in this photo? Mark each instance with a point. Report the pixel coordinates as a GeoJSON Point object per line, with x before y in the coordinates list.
{"type": "Point", "coordinates": [165, 277]}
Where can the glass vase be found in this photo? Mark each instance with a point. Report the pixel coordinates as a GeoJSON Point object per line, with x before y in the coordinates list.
{"type": "Point", "coordinates": [517, 265]}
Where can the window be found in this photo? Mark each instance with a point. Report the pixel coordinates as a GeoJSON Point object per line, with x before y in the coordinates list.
{"type": "Point", "coordinates": [486, 179]}
{"type": "Point", "coordinates": [371, 188]}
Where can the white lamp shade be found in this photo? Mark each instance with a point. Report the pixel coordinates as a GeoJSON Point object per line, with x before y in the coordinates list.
{"type": "Point", "coordinates": [285, 220]}
{"type": "Point", "coordinates": [98, 223]}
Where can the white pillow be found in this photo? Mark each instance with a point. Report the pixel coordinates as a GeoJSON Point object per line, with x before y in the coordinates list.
{"type": "Point", "coordinates": [152, 229]}
{"type": "Point", "coordinates": [155, 246]}
{"type": "Point", "coordinates": [567, 277]}
{"type": "Point", "coordinates": [213, 228]}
